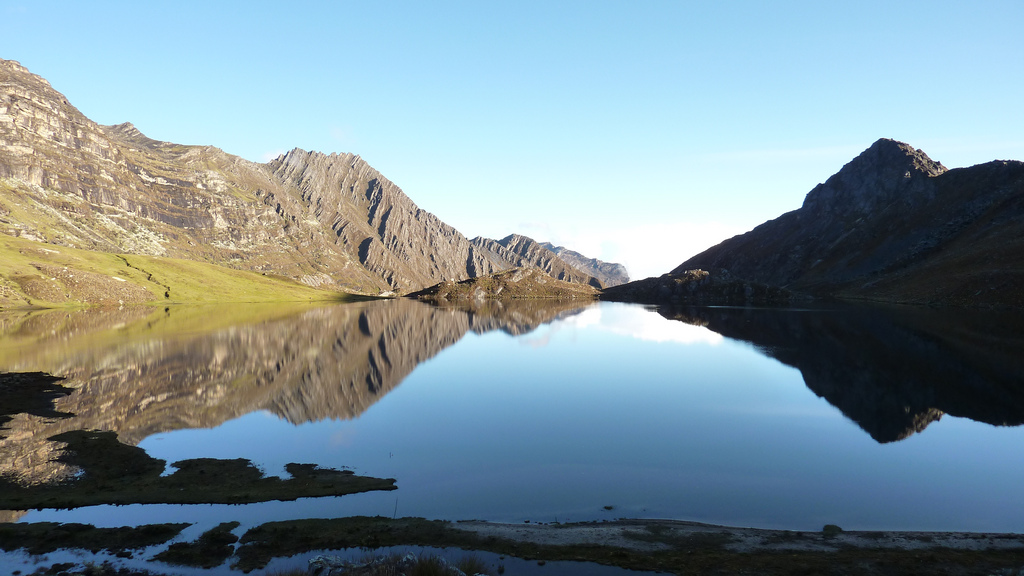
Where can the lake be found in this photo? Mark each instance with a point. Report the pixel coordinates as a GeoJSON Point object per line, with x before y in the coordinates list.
{"type": "Point", "coordinates": [866, 417]}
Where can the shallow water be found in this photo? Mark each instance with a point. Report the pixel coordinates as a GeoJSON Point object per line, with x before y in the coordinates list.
{"type": "Point", "coordinates": [863, 417]}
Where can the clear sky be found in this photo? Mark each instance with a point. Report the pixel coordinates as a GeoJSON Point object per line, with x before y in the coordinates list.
{"type": "Point", "coordinates": [637, 132]}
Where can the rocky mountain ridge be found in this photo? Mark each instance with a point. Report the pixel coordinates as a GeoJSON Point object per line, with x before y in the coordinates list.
{"type": "Point", "coordinates": [523, 252]}
{"type": "Point", "coordinates": [328, 221]}
{"type": "Point", "coordinates": [892, 225]}
{"type": "Point", "coordinates": [608, 273]}
{"type": "Point", "coordinates": [515, 285]}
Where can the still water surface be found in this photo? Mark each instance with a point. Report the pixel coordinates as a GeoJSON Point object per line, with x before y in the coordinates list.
{"type": "Point", "coordinates": [866, 418]}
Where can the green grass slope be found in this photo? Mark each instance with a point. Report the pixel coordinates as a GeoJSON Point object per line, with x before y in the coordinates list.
{"type": "Point", "coordinates": [37, 275]}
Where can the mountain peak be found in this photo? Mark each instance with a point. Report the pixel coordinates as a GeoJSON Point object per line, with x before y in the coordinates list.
{"type": "Point", "coordinates": [889, 170]}
{"type": "Point", "coordinates": [15, 67]}
{"type": "Point", "coordinates": [895, 225]}
{"type": "Point", "coordinates": [609, 273]}
{"type": "Point", "coordinates": [890, 150]}
{"type": "Point", "coordinates": [127, 130]}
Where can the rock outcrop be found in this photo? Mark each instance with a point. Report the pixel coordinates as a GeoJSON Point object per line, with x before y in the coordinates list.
{"type": "Point", "coordinates": [608, 273]}
{"type": "Point", "coordinates": [893, 225]}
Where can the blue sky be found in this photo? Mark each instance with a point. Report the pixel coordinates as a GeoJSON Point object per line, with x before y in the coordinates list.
{"type": "Point", "coordinates": [637, 132]}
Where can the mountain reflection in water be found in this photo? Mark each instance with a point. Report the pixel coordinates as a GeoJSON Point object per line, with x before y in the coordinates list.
{"type": "Point", "coordinates": [140, 371]}
{"type": "Point", "coordinates": [893, 371]}
{"type": "Point", "coordinates": [609, 405]}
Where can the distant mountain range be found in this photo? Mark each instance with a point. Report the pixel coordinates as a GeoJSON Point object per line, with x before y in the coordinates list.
{"type": "Point", "coordinates": [328, 221]}
{"type": "Point", "coordinates": [892, 225]}
{"type": "Point", "coordinates": [608, 273]}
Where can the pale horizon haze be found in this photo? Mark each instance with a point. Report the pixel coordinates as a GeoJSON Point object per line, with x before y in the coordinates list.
{"type": "Point", "coordinates": [634, 132]}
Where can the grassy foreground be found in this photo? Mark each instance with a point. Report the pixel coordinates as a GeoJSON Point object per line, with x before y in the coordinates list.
{"type": "Point", "coordinates": [38, 275]}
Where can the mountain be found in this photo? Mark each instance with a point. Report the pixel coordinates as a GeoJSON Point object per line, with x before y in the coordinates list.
{"type": "Point", "coordinates": [329, 221]}
{"type": "Point", "coordinates": [520, 251]}
{"type": "Point", "coordinates": [892, 225]}
{"type": "Point", "coordinates": [608, 273]}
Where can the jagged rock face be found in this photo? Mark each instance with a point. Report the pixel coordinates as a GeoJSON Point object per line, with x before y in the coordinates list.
{"type": "Point", "coordinates": [523, 252]}
{"type": "Point", "coordinates": [893, 225]}
{"type": "Point", "coordinates": [68, 181]}
{"type": "Point", "coordinates": [888, 172]}
{"type": "Point", "coordinates": [329, 221]}
{"type": "Point", "coordinates": [608, 273]}
{"type": "Point", "coordinates": [368, 214]}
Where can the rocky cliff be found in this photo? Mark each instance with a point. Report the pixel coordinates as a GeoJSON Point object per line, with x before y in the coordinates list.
{"type": "Point", "coordinates": [371, 218]}
{"type": "Point", "coordinates": [329, 221]}
{"type": "Point", "coordinates": [892, 225]}
{"type": "Point", "coordinates": [608, 273]}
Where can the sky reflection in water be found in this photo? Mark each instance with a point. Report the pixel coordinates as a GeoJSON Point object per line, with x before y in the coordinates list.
{"type": "Point", "coordinates": [617, 406]}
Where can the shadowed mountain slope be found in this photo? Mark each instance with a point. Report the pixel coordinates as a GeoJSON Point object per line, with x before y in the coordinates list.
{"type": "Point", "coordinates": [892, 225]}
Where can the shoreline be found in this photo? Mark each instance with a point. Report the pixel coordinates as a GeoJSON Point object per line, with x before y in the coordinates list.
{"type": "Point", "coordinates": [661, 533]}
{"type": "Point", "coordinates": [667, 546]}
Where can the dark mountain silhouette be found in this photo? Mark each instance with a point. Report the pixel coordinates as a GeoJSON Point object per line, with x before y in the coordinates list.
{"type": "Point", "coordinates": [892, 225]}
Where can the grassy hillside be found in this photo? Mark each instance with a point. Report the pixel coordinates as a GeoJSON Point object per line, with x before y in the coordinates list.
{"type": "Point", "coordinates": [33, 274]}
